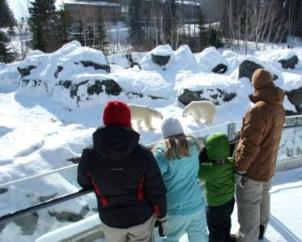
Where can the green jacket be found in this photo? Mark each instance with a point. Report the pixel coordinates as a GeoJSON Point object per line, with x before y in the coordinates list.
{"type": "Point", "coordinates": [218, 176]}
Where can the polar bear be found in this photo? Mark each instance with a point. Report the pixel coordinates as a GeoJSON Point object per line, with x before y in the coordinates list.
{"type": "Point", "coordinates": [144, 114]}
{"type": "Point", "coordinates": [202, 111]}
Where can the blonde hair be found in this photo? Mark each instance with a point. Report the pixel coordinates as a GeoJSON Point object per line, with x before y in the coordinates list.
{"type": "Point", "coordinates": [177, 146]}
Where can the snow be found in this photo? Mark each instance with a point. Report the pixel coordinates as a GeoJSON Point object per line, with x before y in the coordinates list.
{"type": "Point", "coordinates": [209, 58]}
{"type": "Point", "coordinates": [42, 126]}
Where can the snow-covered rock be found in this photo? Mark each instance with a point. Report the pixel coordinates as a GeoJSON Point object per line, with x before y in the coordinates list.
{"type": "Point", "coordinates": [185, 59]}
{"type": "Point", "coordinates": [212, 87]}
{"type": "Point", "coordinates": [209, 58]}
{"type": "Point", "coordinates": [8, 77]}
{"type": "Point", "coordinates": [160, 57]}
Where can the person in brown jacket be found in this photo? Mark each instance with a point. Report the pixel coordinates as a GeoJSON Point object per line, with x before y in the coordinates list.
{"type": "Point", "coordinates": [256, 156]}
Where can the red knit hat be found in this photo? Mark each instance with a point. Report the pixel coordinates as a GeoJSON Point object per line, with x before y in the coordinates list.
{"type": "Point", "coordinates": [117, 113]}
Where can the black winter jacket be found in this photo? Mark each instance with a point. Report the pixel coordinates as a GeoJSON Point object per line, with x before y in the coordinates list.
{"type": "Point", "coordinates": [125, 177]}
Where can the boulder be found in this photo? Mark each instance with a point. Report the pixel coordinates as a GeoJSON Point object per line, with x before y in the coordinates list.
{"type": "Point", "coordinates": [59, 69]}
{"type": "Point", "coordinates": [26, 70]}
{"type": "Point", "coordinates": [220, 69]}
{"type": "Point", "coordinates": [28, 223]}
{"type": "Point", "coordinates": [160, 59]}
{"type": "Point", "coordinates": [210, 58]}
{"type": "Point", "coordinates": [111, 87]}
{"type": "Point", "coordinates": [132, 63]}
{"type": "Point", "coordinates": [3, 190]}
{"type": "Point", "coordinates": [96, 66]}
{"type": "Point", "coordinates": [295, 98]}
{"type": "Point", "coordinates": [247, 68]}
{"type": "Point", "coordinates": [69, 216]}
{"type": "Point", "coordinates": [66, 216]}
{"type": "Point", "coordinates": [140, 95]}
{"type": "Point", "coordinates": [215, 95]}
{"type": "Point", "coordinates": [90, 88]}
{"type": "Point", "coordinates": [47, 197]}
{"type": "Point", "coordinates": [290, 62]}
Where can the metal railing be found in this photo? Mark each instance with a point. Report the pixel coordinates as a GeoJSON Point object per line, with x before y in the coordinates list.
{"type": "Point", "coordinates": [291, 122]}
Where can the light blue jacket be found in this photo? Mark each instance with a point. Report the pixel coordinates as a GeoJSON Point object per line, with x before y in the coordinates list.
{"type": "Point", "coordinates": [184, 193]}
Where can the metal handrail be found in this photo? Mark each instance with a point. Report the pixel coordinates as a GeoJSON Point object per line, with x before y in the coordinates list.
{"type": "Point", "coordinates": [24, 179]}
{"type": "Point", "coordinates": [13, 215]}
{"type": "Point", "coordinates": [8, 217]}
{"type": "Point", "coordinates": [37, 175]}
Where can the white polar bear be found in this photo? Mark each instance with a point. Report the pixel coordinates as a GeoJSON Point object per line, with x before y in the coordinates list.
{"type": "Point", "coordinates": [202, 111]}
{"type": "Point", "coordinates": [144, 114]}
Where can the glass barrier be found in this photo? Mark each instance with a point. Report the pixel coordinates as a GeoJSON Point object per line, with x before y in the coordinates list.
{"type": "Point", "coordinates": [28, 193]}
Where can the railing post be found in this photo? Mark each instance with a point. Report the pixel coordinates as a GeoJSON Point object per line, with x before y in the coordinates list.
{"type": "Point", "coordinates": [231, 130]}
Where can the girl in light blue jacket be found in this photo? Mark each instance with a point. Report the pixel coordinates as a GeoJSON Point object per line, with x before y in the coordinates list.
{"type": "Point", "coordinates": [177, 157]}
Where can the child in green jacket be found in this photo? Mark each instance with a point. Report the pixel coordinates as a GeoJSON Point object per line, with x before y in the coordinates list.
{"type": "Point", "coordinates": [217, 172]}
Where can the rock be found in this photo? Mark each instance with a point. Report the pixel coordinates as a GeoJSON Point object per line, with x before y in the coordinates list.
{"type": "Point", "coordinates": [220, 69]}
{"type": "Point", "coordinates": [74, 90]}
{"type": "Point", "coordinates": [247, 68]}
{"type": "Point", "coordinates": [90, 88]}
{"type": "Point", "coordinates": [66, 84]}
{"type": "Point", "coordinates": [2, 226]}
{"type": "Point", "coordinates": [59, 69]}
{"type": "Point", "coordinates": [33, 83]}
{"type": "Point", "coordinates": [66, 216]}
{"type": "Point", "coordinates": [210, 58]}
{"type": "Point", "coordinates": [155, 97]}
{"type": "Point", "coordinates": [295, 98]}
{"type": "Point", "coordinates": [132, 63]}
{"type": "Point", "coordinates": [45, 198]}
{"type": "Point", "coordinates": [134, 94]}
{"type": "Point", "coordinates": [69, 216]}
{"type": "Point", "coordinates": [290, 113]}
{"type": "Point", "coordinates": [137, 94]}
{"type": "Point", "coordinates": [25, 71]}
{"type": "Point", "coordinates": [3, 190]}
{"type": "Point", "coordinates": [75, 160]}
{"type": "Point", "coordinates": [289, 63]}
{"type": "Point", "coordinates": [217, 96]}
{"type": "Point", "coordinates": [160, 59]}
{"type": "Point", "coordinates": [96, 66]}
{"type": "Point", "coordinates": [28, 223]}
{"type": "Point", "coordinates": [188, 96]}
{"type": "Point", "coordinates": [111, 87]}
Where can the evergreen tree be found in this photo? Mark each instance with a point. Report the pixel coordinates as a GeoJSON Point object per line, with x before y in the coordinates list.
{"type": "Point", "coordinates": [63, 24]}
{"type": "Point", "coordinates": [42, 22]}
{"type": "Point", "coordinates": [5, 52]}
{"type": "Point", "coordinates": [136, 32]}
{"type": "Point", "coordinates": [6, 17]}
{"type": "Point", "coordinates": [100, 34]}
{"type": "Point", "coordinates": [209, 35]}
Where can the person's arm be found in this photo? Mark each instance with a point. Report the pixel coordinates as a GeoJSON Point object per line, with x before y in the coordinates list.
{"type": "Point", "coordinates": [204, 165]}
{"type": "Point", "coordinates": [83, 172]}
{"type": "Point", "coordinates": [204, 171]}
{"type": "Point", "coordinates": [155, 189]}
{"type": "Point", "coordinates": [250, 139]}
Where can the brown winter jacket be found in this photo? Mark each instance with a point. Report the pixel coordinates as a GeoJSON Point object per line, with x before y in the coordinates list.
{"type": "Point", "coordinates": [260, 134]}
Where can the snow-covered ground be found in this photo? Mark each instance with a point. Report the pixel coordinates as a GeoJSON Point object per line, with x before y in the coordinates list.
{"type": "Point", "coordinates": [50, 111]}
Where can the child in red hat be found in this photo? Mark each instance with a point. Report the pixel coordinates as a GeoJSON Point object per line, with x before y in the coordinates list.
{"type": "Point", "coordinates": [125, 177]}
